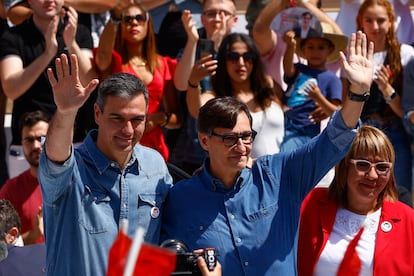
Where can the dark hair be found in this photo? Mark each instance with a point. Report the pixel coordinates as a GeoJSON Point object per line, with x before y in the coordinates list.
{"type": "Point", "coordinates": [149, 48]}
{"type": "Point", "coordinates": [29, 119]}
{"type": "Point", "coordinates": [8, 218]}
{"type": "Point", "coordinates": [307, 13]}
{"type": "Point", "coordinates": [221, 112]}
{"type": "Point", "coordinates": [372, 141]}
{"type": "Point", "coordinates": [122, 85]}
{"type": "Point", "coordinates": [221, 81]}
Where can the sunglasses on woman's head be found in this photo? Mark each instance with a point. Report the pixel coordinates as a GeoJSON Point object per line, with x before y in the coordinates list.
{"type": "Point", "coordinates": [234, 56]}
{"type": "Point", "coordinates": [140, 18]}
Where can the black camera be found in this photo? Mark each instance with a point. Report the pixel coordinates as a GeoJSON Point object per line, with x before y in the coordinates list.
{"type": "Point", "coordinates": [187, 261]}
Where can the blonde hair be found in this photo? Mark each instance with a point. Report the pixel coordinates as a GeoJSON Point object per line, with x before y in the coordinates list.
{"type": "Point", "coordinates": [372, 141]}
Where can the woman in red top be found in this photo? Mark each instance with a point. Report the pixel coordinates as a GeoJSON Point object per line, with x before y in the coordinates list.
{"type": "Point", "coordinates": [357, 226]}
{"type": "Point", "coordinates": [127, 44]}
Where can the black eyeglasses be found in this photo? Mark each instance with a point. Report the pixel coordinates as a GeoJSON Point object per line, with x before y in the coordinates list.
{"type": "Point", "coordinates": [213, 13]}
{"type": "Point", "coordinates": [140, 18]}
{"type": "Point", "coordinates": [31, 139]}
{"type": "Point", "coordinates": [231, 139]}
{"type": "Point", "coordinates": [382, 168]}
{"type": "Point", "coordinates": [235, 57]}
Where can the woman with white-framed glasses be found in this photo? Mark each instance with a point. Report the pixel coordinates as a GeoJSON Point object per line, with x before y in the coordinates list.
{"type": "Point", "coordinates": [357, 225]}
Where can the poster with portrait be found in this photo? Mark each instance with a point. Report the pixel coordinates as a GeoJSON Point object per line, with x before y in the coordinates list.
{"type": "Point", "coordinates": [300, 20]}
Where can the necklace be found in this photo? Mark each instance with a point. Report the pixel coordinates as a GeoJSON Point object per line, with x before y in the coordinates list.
{"type": "Point", "coordinates": [138, 63]}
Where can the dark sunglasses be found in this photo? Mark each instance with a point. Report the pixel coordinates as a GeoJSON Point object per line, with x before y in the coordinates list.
{"type": "Point", "coordinates": [382, 168]}
{"type": "Point", "coordinates": [235, 57]}
{"type": "Point", "coordinates": [140, 18]}
{"type": "Point", "coordinates": [231, 139]}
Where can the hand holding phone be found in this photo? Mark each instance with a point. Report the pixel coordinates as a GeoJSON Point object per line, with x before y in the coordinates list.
{"type": "Point", "coordinates": [205, 47]}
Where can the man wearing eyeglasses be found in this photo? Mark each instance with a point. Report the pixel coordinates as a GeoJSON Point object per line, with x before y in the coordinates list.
{"type": "Point", "coordinates": [23, 191]}
{"type": "Point", "coordinates": [249, 212]}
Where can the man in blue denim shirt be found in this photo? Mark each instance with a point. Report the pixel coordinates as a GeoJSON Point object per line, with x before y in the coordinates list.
{"type": "Point", "coordinates": [89, 191]}
{"type": "Point", "coordinates": [250, 213]}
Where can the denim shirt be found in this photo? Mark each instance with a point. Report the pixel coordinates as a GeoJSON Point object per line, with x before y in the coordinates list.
{"type": "Point", "coordinates": [254, 224]}
{"type": "Point", "coordinates": [86, 199]}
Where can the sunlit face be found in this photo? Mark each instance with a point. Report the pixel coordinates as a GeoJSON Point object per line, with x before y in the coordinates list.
{"type": "Point", "coordinates": [239, 62]}
{"type": "Point", "coordinates": [316, 51]}
{"type": "Point", "coordinates": [364, 187]}
{"type": "Point", "coordinates": [31, 142]}
{"type": "Point", "coordinates": [46, 9]}
{"type": "Point", "coordinates": [226, 160]}
{"type": "Point", "coordinates": [218, 14]}
{"type": "Point", "coordinates": [376, 23]}
{"type": "Point", "coordinates": [121, 125]}
{"type": "Point", "coordinates": [134, 29]}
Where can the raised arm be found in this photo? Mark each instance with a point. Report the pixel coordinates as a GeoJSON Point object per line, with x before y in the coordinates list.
{"type": "Point", "coordinates": [187, 59]}
{"type": "Point", "coordinates": [91, 6]}
{"type": "Point", "coordinates": [69, 95]}
{"type": "Point", "coordinates": [264, 37]}
{"type": "Point", "coordinates": [358, 69]}
{"type": "Point", "coordinates": [103, 58]}
{"type": "Point", "coordinates": [288, 66]}
{"type": "Point", "coordinates": [15, 78]}
{"type": "Point", "coordinates": [86, 69]}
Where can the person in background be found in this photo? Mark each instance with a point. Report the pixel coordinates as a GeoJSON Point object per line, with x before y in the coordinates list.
{"type": "Point", "coordinates": [23, 191]}
{"type": "Point", "coordinates": [404, 24]}
{"type": "Point", "coordinates": [362, 197]}
{"type": "Point", "coordinates": [90, 191]}
{"type": "Point", "coordinates": [383, 108]}
{"type": "Point", "coordinates": [91, 13]}
{"type": "Point", "coordinates": [249, 212]}
{"type": "Point", "coordinates": [128, 45]}
{"type": "Point", "coordinates": [18, 260]}
{"type": "Point", "coordinates": [26, 50]}
{"type": "Point", "coordinates": [4, 171]}
{"type": "Point", "coordinates": [218, 18]}
{"type": "Point", "coordinates": [309, 85]}
{"type": "Point", "coordinates": [240, 73]}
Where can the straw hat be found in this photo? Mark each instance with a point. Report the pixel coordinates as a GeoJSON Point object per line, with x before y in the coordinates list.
{"type": "Point", "coordinates": [340, 42]}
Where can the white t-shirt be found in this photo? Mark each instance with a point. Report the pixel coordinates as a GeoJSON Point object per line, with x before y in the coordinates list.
{"type": "Point", "coordinates": [269, 125]}
{"type": "Point", "coordinates": [346, 226]}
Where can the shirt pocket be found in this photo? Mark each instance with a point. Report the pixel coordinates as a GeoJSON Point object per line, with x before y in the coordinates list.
{"type": "Point", "coordinates": [94, 211]}
{"type": "Point", "coordinates": [262, 220]}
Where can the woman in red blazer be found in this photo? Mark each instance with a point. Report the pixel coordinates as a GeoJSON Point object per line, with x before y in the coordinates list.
{"type": "Point", "coordinates": [357, 226]}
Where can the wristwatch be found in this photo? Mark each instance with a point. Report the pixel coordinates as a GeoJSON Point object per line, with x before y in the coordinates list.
{"type": "Point", "coordinates": [358, 97]}
{"type": "Point", "coordinates": [390, 97]}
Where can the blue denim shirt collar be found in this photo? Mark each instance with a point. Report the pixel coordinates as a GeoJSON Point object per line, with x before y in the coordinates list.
{"type": "Point", "coordinates": [214, 184]}
{"type": "Point", "coordinates": [102, 162]}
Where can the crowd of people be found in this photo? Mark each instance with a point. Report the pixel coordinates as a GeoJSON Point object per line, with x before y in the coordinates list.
{"type": "Point", "coordinates": [287, 149]}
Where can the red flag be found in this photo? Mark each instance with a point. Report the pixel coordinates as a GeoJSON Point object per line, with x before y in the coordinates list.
{"type": "Point", "coordinates": [152, 260]}
{"type": "Point", "coordinates": [118, 254]}
{"type": "Point", "coordinates": [351, 264]}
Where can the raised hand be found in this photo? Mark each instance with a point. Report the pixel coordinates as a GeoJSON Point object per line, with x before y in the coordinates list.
{"type": "Point", "coordinates": [69, 33]}
{"type": "Point", "coordinates": [68, 92]}
{"type": "Point", "coordinates": [359, 68]}
{"type": "Point", "coordinates": [189, 25]}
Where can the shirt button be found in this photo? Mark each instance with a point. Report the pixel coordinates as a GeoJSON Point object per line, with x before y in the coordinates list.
{"type": "Point", "coordinates": [238, 240]}
{"type": "Point", "coordinates": [124, 205]}
{"type": "Point", "coordinates": [112, 165]}
{"type": "Point", "coordinates": [201, 228]}
{"type": "Point", "coordinates": [233, 217]}
{"type": "Point", "coordinates": [246, 263]}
